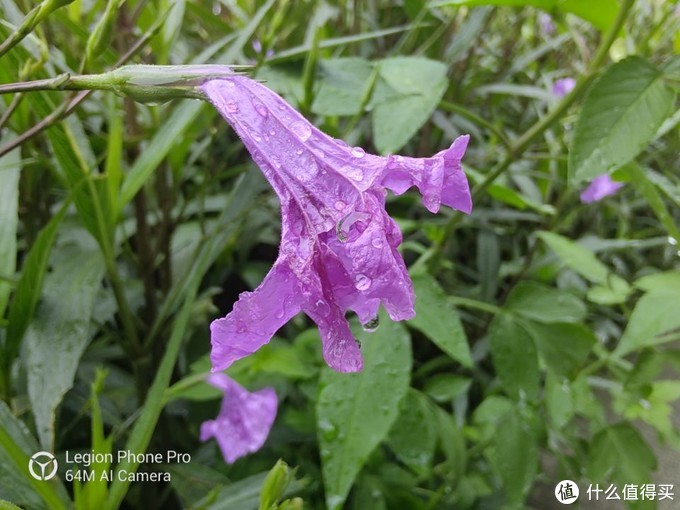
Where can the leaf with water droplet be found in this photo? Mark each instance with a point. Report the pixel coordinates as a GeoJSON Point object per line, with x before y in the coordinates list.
{"type": "Point", "coordinates": [349, 402]}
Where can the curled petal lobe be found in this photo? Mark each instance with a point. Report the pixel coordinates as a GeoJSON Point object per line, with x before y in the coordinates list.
{"type": "Point", "coordinates": [244, 420]}
{"type": "Point", "coordinates": [338, 247]}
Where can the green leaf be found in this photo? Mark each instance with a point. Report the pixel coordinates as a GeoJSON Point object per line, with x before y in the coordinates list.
{"type": "Point", "coordinates": [16, 484]}
{"type": "Point", "coordinates": [559, 400]}
{"type": "Point", "coordinates": [349, 428]}
{"type": "Point", "coordinates": [577, 257]}
{"type": "Point", "coordinates": [10, 167]}
{"type": "Point", "coordinates": [620, 452]}
{"type": "Point", "coordinates": [515, 359]}
{"type": "Point", "coordinates": [413, 436]}
{"type": "Point", "coordinates": [620, 116]}
{"type": "Point", "coordinates": [342, 85]}
{"type": "Point", "coordinates": [516, 454]}
{"type": "Point", "coordinates": [405, 96]}
{"type": "Point", "coordinates": [563, 346]}
{"type": "Point", "coordinates": [601, 14]}
{"type": "Point", "coordinates": [29, 288]}
{"type": "Point", "coordinates": [445, 387]}
{"type": "Point", "coordinates": [544, 304]}
{"type": "Point", "coordinates": [59, 334]}
{"type": "Point", "coordinates": [655, 320]}
{"type": "Point", "coordinates": [438, 319]}
{"type": "Point", "coordinates": [667, 280]}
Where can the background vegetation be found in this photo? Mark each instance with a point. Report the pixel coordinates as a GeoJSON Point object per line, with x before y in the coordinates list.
{"type": "Point", "coordinates": [545, 342]}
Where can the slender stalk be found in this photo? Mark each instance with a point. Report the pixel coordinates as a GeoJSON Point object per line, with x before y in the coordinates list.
{"type": "Point", "coordinates": [70, 104]}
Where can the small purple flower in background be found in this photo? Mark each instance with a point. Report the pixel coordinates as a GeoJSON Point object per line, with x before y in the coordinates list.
{"type": "Point", "coordinates": [244, 421]}
{"type": "Point", "coordinates": [546, 24]}
{"type": "Point", "coordinates": [563, 86]}
{"type": "Point", "coordinates": [338, 245]}
{"type": "Point", "coordinates": [600, 187]}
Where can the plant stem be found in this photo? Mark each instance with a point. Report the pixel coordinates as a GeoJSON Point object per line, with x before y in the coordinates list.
{"type": "Point", "coordinates": [70, 104]}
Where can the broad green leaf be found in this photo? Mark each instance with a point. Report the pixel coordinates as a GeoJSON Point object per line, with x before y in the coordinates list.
{"type": "Point", "coordinates": [563, 346]}
{"type": "Point", "coordinates": [342, 86]}
{"type": "Point", "coordinates": [559, 400]}
{"type": "Point", "coordinates": [515, 359]}
{"type": "Point", "coordinates": [438, 319]}
{"type": "Point", "coordinates": [620, 452]}
{"type": "Point", "coordinates": [577, 257]}
{"type": "Point", "coordinates": [667, 280]}
{"type": "Point", "coordinates": [655, 320]}
{"type": "Point", "coordinates": [544, 304]}
{"type": "Point", "coordinates": [600, 14]}
{"type": "Point", "coordinates": [29, 288]}
{"type": "Point", "coordinates": [406, 94]}
{"type": "Point", "coordinates": [10, 166]}
{"type": "Point", "coordinates": [59, 333]}
{"type": "Point", "coordinates": [413, 436]}
{"type": "Point", "coordinates": [16, 484]}
{"type": "Point", "coordinates": [356, 411]}
{"type": "Point", "coordinates": [516, 454]}
{"type": "Point", "coordinates": [620, 116]}
{"type": "Point", "coordinates": [445, 387]}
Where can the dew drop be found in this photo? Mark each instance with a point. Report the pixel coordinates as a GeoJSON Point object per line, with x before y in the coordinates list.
{"type": "Point", "coordinates": [340, 205]}
{"type": "Point", "coordinates": [275, 161]}
{"type": "Point", "coordinates": [231, 107]}
{"type": "Point", "coordinates": [362, 282]}
{"type": "Point", "coordinates": [272, 132]}
{"type": "Point", "coordinates": [261, 109]}
{"type": "Point", "coordinates": [279, 314]}
{"type": "Point", "coordinates": [358, 152]}
{"type": "Point", "coordinates": [353, 172]}
{"type": "Point", "coordinates": [301, 130]}
{"type": "Point", "coordinates": [322, 308]}
{"type": "Point", "coordinates": [255, 135]}
{"type": "Point", "coordinates": [377, 242]}
{"type": "Point", "coordinates": [371, 325]}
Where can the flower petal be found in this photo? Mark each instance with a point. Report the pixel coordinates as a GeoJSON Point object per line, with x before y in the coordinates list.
{"type": "Point", "coordinates": [244, 421]}
{"type": "Point", "coordinates": [440, 178]}
{"type": "Point", "coordinates": [600, 187]}
{"type": "Point", "coordinates": [255, 318]}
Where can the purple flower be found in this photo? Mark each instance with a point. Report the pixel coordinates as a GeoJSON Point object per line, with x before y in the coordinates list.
{"type": "Point", "coordinates": [600, 187]}
{"type": "Point", "coordinates": [563, 86]}
{"type": "Point", "coordinates": [338, 245]}
{"type": "Point", "coordinates": [546, 24]}
{"type": "Point", "coordinates": [244, 421]}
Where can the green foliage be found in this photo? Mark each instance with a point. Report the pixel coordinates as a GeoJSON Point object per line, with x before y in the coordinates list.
{"type": "Point", "coordinates": [545, 328]}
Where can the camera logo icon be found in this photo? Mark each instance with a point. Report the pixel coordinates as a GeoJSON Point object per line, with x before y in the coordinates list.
{"type": "Point", "coordinates": [43, 466]}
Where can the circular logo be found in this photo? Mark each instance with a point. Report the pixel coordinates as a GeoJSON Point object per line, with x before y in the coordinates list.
{"type": "Point", "coordinates": [566, 492]}
{"type": "Point", "coordinates": [43, 466]}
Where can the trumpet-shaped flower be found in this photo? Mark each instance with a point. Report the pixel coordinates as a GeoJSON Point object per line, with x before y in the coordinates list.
{"type": "Point", "coordinates": [244, 421]}
{"type": "Point", "coordinates": [600, 187]}
{"type": "Point", "coordinates": [338, 247]}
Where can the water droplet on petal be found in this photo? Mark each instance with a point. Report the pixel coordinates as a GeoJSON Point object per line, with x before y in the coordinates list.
{"type": "Point", "coordinates": [371, 325]}
{"type": "Point", "coordinates": [231, 106]}
{"type": "Point", "coordinates": [340, 205]}
{"type": "Point", "coordinates": [377, 242]}
{"type": "Point", "coordinates": [298, 152]}
{"type": "Point", "coordinates": [255, 135]}
{"type": "Point", "coordinates": [343, 226]}
{"type": "Point", "coordinates": [362, 282]}
{"type": "Point", "coordinates": [279, 314]}
{"type": "Point", "coordinates": [301, 129]}
{"type": "Point", "coordinates": [322, 308]}
{"type": "Point", "coordinates": [275, 161]}
{"type": "Point", "coordinates": [358, 152]}
{"type": "Point", "coordinates": [272, 132]}
{"type": "Point", "coordinates": [261, 109]}
{"type": "Point", "coordinates": [353, 172]}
